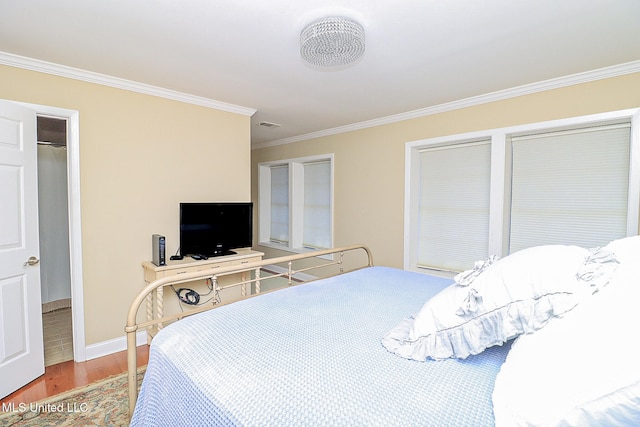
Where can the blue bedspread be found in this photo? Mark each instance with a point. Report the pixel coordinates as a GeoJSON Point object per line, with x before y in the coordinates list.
{"type": "Point", "coordinates": [310, 355]}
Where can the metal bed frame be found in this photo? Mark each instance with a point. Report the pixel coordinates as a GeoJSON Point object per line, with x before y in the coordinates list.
{"type": "Point", "coordinates": [331, 259]}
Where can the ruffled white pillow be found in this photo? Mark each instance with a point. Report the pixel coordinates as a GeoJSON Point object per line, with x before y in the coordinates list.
{"type": "Point", "coordinates": [582, 369]}
{"type": "Point", "coordinates": [517, 294]}
{"type": "Point", "coordinates": [626, 249]}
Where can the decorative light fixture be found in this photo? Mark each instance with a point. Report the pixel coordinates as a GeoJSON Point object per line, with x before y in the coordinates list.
{"type": "Point", "coordinates": [332, 41]}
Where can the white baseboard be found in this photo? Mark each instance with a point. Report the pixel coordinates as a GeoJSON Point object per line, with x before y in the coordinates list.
{"type": "Point", "coordinates": [115, 345]}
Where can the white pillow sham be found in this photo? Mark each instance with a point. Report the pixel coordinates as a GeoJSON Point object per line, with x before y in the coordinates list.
{"type": "Point", "coordinates": [517, 294]}
{"type": "Point", "coordinates": [582, 369]}
{"type": "Point", "coordinates": [626, 249]}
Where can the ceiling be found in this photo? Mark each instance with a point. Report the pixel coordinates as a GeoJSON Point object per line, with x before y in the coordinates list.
{"type": "Point", "coordinates": [419, 53]}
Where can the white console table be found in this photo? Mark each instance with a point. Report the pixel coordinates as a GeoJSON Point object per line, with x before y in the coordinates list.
{"type": "Point", "coordinates": [188, 265]}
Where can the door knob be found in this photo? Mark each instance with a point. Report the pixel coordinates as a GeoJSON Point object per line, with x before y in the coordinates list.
{"type": "Point", "coordinates": [32, 261]}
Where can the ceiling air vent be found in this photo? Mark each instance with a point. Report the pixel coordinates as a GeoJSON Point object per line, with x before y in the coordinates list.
{"type": "Point", "coordinates": [269, 124]}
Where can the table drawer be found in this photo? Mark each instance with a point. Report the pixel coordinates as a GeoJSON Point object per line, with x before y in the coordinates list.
{"type": "Point", "coordinates": [246, 260]}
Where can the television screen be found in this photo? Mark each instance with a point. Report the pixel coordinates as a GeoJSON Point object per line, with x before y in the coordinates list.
{"type": "Point", "coordinates": [214, 229]}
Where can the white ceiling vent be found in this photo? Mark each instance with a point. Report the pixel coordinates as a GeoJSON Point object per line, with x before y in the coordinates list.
{"type": "Point", "coordinates": [269, 124]}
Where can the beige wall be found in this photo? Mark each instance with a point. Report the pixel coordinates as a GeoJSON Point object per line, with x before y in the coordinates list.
{"type": "Point", "coordinates": [369, 163]}
{"type": "Point", "coordinates": [139, 157]}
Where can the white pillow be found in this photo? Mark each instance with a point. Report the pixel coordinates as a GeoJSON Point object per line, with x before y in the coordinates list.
{"type": "Point", "coordinates": [582, 369]}
{"type": "Point", "coordinates": [598, 268]}
{"type": "Point", "coordinates": [517, 294]}
{"type": "Point", "coordinates": [626, 249]}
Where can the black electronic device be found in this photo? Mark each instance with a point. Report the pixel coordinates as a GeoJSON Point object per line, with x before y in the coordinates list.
{"type": "Point", "coordinates": [158, 246]}
{"type": "Point", "coordinates": [215, 229]}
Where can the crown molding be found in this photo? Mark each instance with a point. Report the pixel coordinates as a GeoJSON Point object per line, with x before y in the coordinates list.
{"type": "Point", "coordinates": [118, 83]}
{"type": "Point", "coordinates": [556, 83]}
{"type": "Point", "coordinates": [115, 82]}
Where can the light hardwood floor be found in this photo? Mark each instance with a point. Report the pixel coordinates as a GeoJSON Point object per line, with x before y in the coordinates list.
{"type": "Point", "coordinates": [68, 375]}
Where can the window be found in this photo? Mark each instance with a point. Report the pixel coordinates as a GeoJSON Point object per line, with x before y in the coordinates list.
{"type": "Point", "coordinates": [574, 181]}
{"type": "Point", "coordinates": [316, 223]}
{"type": "Point", "coordinates": [569, 187]}
{"type": "Point", "coordinates": [454, 205]}
{"type": "Point", "coordinates": [279, 209]}
{"type": "Point", "coordinates": [296, 203]}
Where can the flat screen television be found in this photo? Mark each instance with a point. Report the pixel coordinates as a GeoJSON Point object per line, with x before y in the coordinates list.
{"type": "Point", "coordinates": [214, 229]}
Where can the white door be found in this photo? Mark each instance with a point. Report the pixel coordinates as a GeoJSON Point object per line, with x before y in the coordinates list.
{"type": "Point", "coordinates": [21, 346]}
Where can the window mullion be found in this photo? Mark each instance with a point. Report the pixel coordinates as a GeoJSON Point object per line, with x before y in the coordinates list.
{"type": "Point", "coordinates": [498, 194]}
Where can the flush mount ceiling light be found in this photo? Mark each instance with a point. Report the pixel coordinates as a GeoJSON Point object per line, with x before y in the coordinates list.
{"type": "Point", "coordinates": [331, 42]}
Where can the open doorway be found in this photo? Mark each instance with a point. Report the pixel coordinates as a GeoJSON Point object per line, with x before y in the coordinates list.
{"type": "Point", "coordinates": [53, 213]}
{"type": "Point", "coordinates": [72, 118]}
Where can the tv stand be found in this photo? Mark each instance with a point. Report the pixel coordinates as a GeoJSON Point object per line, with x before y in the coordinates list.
{"type": "Point", "coordinates": [155, 300]}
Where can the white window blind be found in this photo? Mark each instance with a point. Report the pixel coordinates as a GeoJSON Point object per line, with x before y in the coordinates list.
{"type": "Point", "coordinates": [316, 231]}
{"type": "Point", "coordinates": [454, 205]}
{"type": "Point", "coordinates": [570, 187]}
{"type": "Point", "coordinates": [279, 204]}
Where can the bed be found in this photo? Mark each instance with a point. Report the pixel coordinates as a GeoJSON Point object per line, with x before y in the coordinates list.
{"type": "Point", "coordinates": [383, 346]}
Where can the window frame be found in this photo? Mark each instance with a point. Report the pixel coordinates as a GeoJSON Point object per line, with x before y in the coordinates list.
{"type": "Point", "coordinates": [468, 202]}
{"type": "Point", "coordinates": [499, 203]}
{"type": "Point", "coordinates": [296, 202]}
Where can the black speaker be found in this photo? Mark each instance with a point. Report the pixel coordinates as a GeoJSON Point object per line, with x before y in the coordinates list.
{"type": "Point", "coordinates": [158, 250]}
